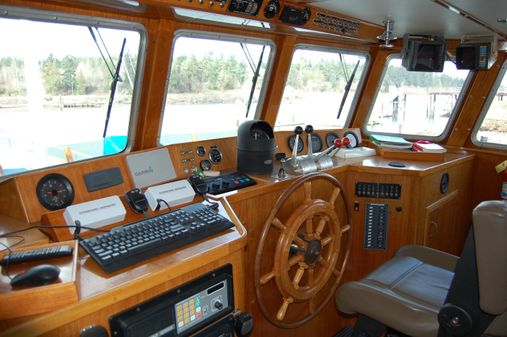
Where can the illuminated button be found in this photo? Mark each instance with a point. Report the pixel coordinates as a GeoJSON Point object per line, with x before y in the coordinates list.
{"type": "Point", "coordinates": [198, 309]}
{"type": "Point", "coordinates": [192, 317]}
{"type": "Point", "coordinates": [180, 324]}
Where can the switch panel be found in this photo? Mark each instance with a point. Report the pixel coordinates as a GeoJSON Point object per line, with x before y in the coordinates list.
{"type": "Point", "coordinates": [378, 190]}
{"type": "Point", "coordinates": [375, 226]}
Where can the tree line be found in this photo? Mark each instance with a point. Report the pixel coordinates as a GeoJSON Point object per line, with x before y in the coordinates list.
{"type": "Point", "coordinates": [72, 75]}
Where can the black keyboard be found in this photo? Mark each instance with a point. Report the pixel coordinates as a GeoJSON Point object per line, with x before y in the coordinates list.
{"type": "Point", "coordinates": [36, 255]}
{"type": "Point", "coordinates": [128, 244]}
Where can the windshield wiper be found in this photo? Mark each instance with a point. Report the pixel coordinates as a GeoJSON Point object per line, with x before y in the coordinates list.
{"type": "Point", "coordinates": [116, 79]}
{"type": "Point", "coordinates": [347, 89]}
{"type": "Point", "coordinates": [254, 80]}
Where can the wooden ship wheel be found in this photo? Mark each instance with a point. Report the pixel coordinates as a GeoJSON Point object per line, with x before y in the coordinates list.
{"type": "Point", "coordinates": [302, 253]}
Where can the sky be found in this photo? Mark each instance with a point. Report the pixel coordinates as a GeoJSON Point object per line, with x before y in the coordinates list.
{"type": "Point", "coordinates": [41, 39]}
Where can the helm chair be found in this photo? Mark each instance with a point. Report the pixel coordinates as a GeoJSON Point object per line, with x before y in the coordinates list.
{"type": "Point", "coordinates": [423, 292]}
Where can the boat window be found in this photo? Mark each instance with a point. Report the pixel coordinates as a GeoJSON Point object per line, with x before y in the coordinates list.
{"type": "Point", "coordinates": [322, 88]}
{"type": "Point", "coordinates": [491, 127]}
{"type": "Point", "coordinates": [214, 88]}
{"type": "Point", "coordinates": [417, 104]}
{"type": "Point", "coordinates": [57, 75]}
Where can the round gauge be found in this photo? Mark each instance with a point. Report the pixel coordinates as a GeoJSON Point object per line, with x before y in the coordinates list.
{"type": "Point", "coordinates": [330, 137]}
{"type": "Point", "coordinates": [205, 165]}
{"type": "Point", "coordinates": [316, 143]}
{"type": "Point", "coordinates": [292, 139]}
{"type": "Point", "coordinates": [201, 151]}
{"type": "Point", "coordinates": [215, 156]}
{"type": "Point", "coordinates": [354, 141]}
{"type": "Point", "coordinates": [54, 191]}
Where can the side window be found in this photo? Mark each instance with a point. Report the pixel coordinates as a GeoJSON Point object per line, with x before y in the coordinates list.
{"type": "Point", "coordinates": [214, 87]}
{"type": "Point", "coordinates": [55, 88]}
{"type": "Point", "coordinates": [491, 128]}
{"type": "Point", "coordinates": [416, 103]}
{"type": "Point", "coordinates": [321, 88]}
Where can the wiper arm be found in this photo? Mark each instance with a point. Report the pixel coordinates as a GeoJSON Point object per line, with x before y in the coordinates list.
{"type": "Point", "coordinates": [254, 80]}
{"type": "Point", "coordinates": [347, 89]}
{"type": "Point", "coordinates": [116, 79]}
{"type": "Point", "coordinates": [100, 50]}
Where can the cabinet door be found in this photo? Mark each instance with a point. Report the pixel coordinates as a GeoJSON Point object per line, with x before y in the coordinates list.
{"type": "Point", "coordinates": [440, 224]}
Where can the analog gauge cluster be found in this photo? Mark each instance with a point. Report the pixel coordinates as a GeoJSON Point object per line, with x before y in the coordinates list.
{"type": "Point", "coordinates": [208, 157]}
{"type": "Point", "coordinates": [55, 191]}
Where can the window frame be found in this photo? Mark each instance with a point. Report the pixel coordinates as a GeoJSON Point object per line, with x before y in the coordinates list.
{"type": "Point", "coordinates": [485, 109]}
{"type": "Point", "coordinates": [450, 122]}
{"type": "Point", "coordinates": [211, 35]}
{"type": "Point", "coordinates": [336, 50]}
{"type": "Point", "coordinates": [16, 13]}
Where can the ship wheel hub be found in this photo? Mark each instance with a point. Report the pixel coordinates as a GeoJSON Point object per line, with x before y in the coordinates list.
{"type": "Point", "coordinates": [313, 252]}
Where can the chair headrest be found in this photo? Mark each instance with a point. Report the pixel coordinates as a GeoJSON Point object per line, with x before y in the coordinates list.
{"type": "Point", "coordinates": [490, 231]}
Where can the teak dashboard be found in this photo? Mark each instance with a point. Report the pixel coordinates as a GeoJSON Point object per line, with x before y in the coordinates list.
{"type": "Point", "coordinates": [371, 184]}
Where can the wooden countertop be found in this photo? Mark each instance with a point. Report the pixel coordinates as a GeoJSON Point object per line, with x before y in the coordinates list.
{"type": "Point", "coordinates": [98, 290]}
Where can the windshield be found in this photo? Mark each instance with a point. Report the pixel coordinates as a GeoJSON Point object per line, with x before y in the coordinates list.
{"type": "Point", "coordinates": [214, 88]}
{"type": "Point", "coordinates": [54, 91]}
{"type": "Point", "coordinates": [321, 88]}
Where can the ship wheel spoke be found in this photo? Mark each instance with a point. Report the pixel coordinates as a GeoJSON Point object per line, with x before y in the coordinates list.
{"type": "Point", "coordinates": [311, 278]}
{"type": "Point", "coordinates": [320, 226]}
{"type": "Point", "coordinates": [323, 262]}
{"type": "Point", "coordinates": [309, 226]}
{"type": "Point", "coordinates": [334, 195]}
{"type": "Point", "coordinates": [308, 192]}
{"type": "Point", "coordinates": [337, 273]}
{"type": "Point", "coordinates": [300, 242]}
{"type": "Point", "coordinates": [297, 278]}
{"type": "Point", "coordinates": [269, 276]}
{"type": "Point", "coordinates": [326, 240]}
{"type": "Point", "coordinates": [279, 225]}
{"type": "Point", "coordinates": [283, 309]}
{"type": "Point", "coordinates": [345, 229]}
{"type": "Point", "coordinates": [311, 305]}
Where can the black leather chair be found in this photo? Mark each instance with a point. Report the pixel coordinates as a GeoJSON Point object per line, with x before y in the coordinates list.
{"type": "Point", "coordinates": [422, 292]}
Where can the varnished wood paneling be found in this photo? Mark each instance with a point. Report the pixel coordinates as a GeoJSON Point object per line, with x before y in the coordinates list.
{"type": "Point", "coordinates": [75, 173]}
{"type": "Point", "coordinates": [399, 229]}
{"type": "Point", "coordinates": [452, 230]}
{"type": "Point", "coordinates": [11, 203]}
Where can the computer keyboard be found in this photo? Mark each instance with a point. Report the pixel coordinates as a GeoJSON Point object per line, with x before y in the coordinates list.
{"type": "Point", "coordinates": [128, 244]}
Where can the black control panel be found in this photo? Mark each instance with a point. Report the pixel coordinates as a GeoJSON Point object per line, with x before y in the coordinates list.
{"type": "Point", "coordinates": [378, 190]}
{"type": "Point", "coordinates": [375, 226]}
{"type": "Point", "coordinates": [182, 311]}
{"type": "Point", "coordinates": [221, 184]}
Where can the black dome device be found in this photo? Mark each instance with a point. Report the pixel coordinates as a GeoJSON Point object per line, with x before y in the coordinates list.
{"type": "Point", "coordinates": [256, 147]}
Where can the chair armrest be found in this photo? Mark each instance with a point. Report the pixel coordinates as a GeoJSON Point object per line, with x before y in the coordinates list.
{"type": "Point", "coordinates": [430, 256]}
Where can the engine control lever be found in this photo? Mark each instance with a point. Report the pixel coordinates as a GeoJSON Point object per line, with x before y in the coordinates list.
{"type": "Point", "coordinates": [298, 131]}
{"type": "Point", "coordinates": [309, 131]}
{"type": "Point", "coordinates": [336, 144]}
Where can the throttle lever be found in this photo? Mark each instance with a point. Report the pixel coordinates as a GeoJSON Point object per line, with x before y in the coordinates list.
{"type": "Point", "coordinates": [309, 131]}
{"type": "Point", "coordinates": [298, 130]}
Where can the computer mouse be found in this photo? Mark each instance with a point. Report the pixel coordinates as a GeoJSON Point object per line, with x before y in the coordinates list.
{"type": "Point", "coordinates": [36, 276]}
